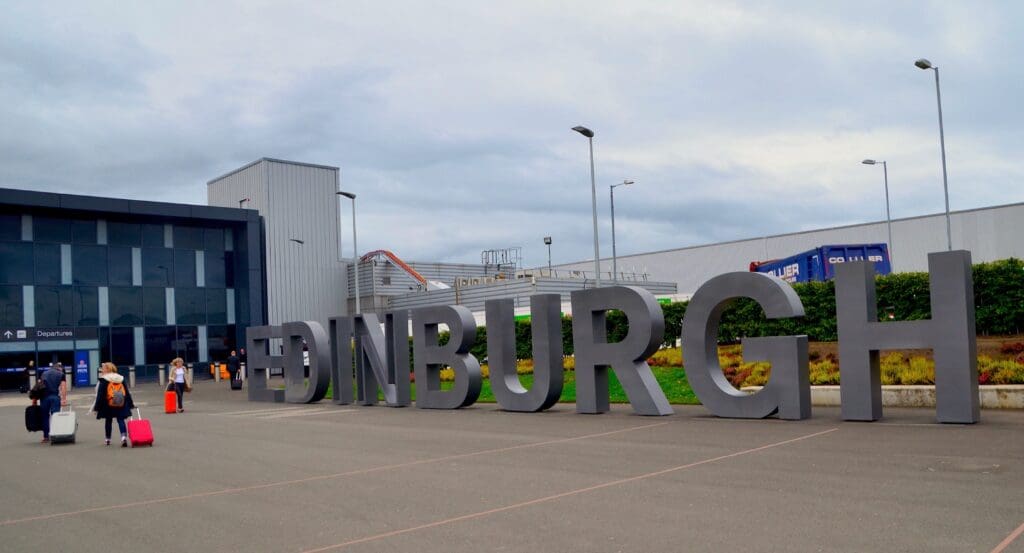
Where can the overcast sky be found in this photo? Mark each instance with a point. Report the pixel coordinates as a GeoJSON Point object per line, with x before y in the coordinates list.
{"type": "Point", "coordinates": [451, 120]}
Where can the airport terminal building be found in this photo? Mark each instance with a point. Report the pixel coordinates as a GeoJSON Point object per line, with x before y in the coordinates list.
{"type": "Point", "coordinates": [85, 280]}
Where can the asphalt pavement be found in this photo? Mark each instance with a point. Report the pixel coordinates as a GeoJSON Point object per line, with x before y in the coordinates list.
{"type": "Point", "coordinates": [230, 475]}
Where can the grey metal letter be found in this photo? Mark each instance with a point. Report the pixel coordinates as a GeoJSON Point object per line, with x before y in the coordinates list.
{"type": "Point", "coordinates": [428, 357]}
{"type": "Point", "coordinates": [312, 334]}
{"type": "Point", "coordinates": [383, 358]}
{"type": "Point", "coordinates": [950, 334]}
{"type": "Point", "coordinates": [257, 340]}
{"type": "Point", "coordinates": [341, 360]}
{"type": "Point", "coordinates": [788, 391]}
{"type": "Point", "coordinates": [627, 358]}
{"type": "Point", "coordinates": [548, 371]}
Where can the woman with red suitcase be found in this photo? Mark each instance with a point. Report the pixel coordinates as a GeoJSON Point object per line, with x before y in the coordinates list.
{"type": "Point", "coordinates": [113, 401]}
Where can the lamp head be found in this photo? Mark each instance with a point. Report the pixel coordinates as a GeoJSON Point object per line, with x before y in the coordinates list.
{"type": "Point", "coordinates": [297, 241]}
{"type": "Point", "coordinates": [584, 131]}
{"type": "Point", "coordinates": [627, 182]}
{"type": "Point", "coordinates": [923, 64]}
{"type": "Point", "coordinates": [869, 162]}
{"type": "Point", "coordinates": [547, 240]}
{"type": "Point", "coordinates": [348, 195]}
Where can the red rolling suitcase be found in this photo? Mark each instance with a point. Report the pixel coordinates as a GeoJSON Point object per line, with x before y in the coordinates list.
{"type": "Point", "coordinates": [139, 431]}
{"type": "Point", "coordinates": [170, 402]}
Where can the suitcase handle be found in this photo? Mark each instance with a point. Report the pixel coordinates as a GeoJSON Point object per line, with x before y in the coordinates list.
{"type": "Point", "coordinates": [138, 413]}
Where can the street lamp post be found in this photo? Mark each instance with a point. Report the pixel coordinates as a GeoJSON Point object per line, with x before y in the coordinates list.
{"type": "Point", "coordinates": [615, 261]}
{"type": "Point", "coordinates": [888, 218]}
{"type": "Point", "coordinates": [242, 201]}
{"type": "Point", "coordinates": [547, 242]}
{"type": "Point", "coordinates": [925, 64]}
{"type": "Point", "coordinates": [355, 246]}
{"type": "Point", "coordinates": [593, 198]}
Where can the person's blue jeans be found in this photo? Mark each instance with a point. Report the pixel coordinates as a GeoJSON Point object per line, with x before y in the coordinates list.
{"type": "Point", "coordinates": [50, 405]}
{"type": "Point", "coordinates": [120, 426]}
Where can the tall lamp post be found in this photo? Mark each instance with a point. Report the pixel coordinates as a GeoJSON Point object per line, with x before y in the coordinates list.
{"type": "Point", "coordinates": [888, 218]}
{"type": "Point", "coordinates": [925, 64]}
{"type": "Point", "coordinates": [547, 242]}
{"type": "Point", "coordinates": [615, 261]}
{"type": "Point", "coordinates": [593, 198]}
{"type": "Point", "coordinates": [355, 245]}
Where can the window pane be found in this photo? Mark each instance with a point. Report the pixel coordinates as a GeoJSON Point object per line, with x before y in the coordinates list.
{"type": "Point", "coordinates": [83, 232]}
{"type": "Point", "coordinates": [16, 263]}
{"type": "Point", "coordinates": [54, 306]}
{"type": "Point", "coordinates": [215, 269]}
{"type": "Point", "coordinates": [11, 306]}
{"type": "Point", "coordinates": [47, 262]}
{"type": "Point", "coordinates": [187, 344]}
{"type": "Point", "coordinates": [220, 340]}
{"type": "Point", "coordinates": [154, 304]}
{"type": "Point", "coordinates": [190, 305]}
{"type": "Point", "coordinates": [122, 346]}
{"type": "Point", "coordinates": [158, 267]}
{"type": "Point", "coordinates": [89, 265]}
{"type": "Point", "coordinates": [87, 306]}
{"type": "Point", "coordinates": [49, 229]}
{"type": "Point", "coordinates": [10, 227]}
{"type": "Point", "coordinates": [213, 239]}
{"type": "Point", "coordinates": [185, 268]}
{"type": "Point", "coordinates": [216, 306]}
{"type": "Point", "coordinates": [119, 266]}
{"type": "Point", "coordinates": [153, 236]}
{"type": "Point", "coordinates": [125, 306]}
{"type": "Point", "coordinates": [123, 234]}
{"type": "Point", "coordinates": [188, 238]}
{"type": "Point", "coordinates": [229, 269]}
{"type": "Point", "coordinates": [160, 345]}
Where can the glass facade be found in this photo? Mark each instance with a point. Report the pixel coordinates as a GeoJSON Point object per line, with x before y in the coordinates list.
{"type": "Point", "coordinates": [136, 293]}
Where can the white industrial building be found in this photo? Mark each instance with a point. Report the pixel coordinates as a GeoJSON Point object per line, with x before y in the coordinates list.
{"type": "Point", "coordinates": [989, 233]}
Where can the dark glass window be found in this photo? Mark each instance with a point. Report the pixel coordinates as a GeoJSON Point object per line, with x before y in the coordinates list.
{"type": "Point", "coordinates": [190, 305]}
{"type": "Point", "coordinates": [125, 306]}
{"type": "Point", "coordinates": [160, 345]}
{"type": "Point", "coordinates": [158, 267]}
{"type": "Point", "coordinates": [124, 234]}
{"type": "Point", "coordinates": [216, 306]}
{"type": "Point", "coordinates": [83, 232]}
{"type": "Point", "coordinates": [11, 306]}
{"type": "Point", "coordinates": [220, 340]}
{"type": "Point", "coordinates": [54, 306]}
{"type": "Point", "coordinates": [188, 238]}
{"type": "Point", "coordinates": [16, 263]}
{"type": "Point", "coordinates": [185, 268]}
{"type": "Point", "coordinates": [213, 239]}
{"type": "Point", "coordinates": [215, 269]}
{"type": "Point", "coordinates": [10, 227]}
{"type": "Point", "coordinates": [122, 346]}
{"type": "Point", "coordinates": [87, 306]}
{"type": "Point", "coordinates": [229, 269]}
{"type": "Point", "coordinates": [154, 305]}
{"type": "Point", "coordinates": [187, 344]}
{"type": "Point", "coordinates": [153, 236]}
{"type": "Point", "coordinates": [47, 261]}
{"type": "Point", "coordinates": [89, 265]}
{"type": "Point", "coordinates": [119, 266]}
{"type": "Point", "coordinates": [49, 229]}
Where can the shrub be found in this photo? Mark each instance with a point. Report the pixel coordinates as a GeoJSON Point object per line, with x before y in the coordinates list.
{"type": "Point", "coordinates": [824, 372]}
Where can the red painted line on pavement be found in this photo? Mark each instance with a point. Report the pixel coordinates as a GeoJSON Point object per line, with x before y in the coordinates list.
{"type": "Point", "coordinates": [227, 491]}
{"type": "Point", "coordinates": [561, 495]}
{"type": "Point", "coordinates": [1009, 539]}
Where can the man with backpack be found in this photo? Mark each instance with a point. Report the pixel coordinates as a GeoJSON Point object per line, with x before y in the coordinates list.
{"type": "Point", "coordinates": [113, 401]}
{"type": "Point", "coordinates": [53, 393]}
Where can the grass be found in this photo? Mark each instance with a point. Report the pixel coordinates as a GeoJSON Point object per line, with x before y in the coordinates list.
{"type": "Point", "coordinates": [671, 379]}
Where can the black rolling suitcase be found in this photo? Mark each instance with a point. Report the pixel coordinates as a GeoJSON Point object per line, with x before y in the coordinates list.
{"type": "Point", "coordinates": [34, 418]}
{"type": "Point", "coordinates": [236, 382]}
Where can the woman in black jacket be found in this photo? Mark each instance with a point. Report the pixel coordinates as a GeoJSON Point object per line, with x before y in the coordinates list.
{"type": "Point", "coordinates": [113, 401]}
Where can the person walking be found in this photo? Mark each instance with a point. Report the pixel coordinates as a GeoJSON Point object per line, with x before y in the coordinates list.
{"type": "Point", "coordinates": [113, 401]}
{"type": "Point", "coordinates": [54, 397]}
{"type": "Point", "coordinates": [178, 378]}
{"type": "Point", "coordinates": [233, 365]}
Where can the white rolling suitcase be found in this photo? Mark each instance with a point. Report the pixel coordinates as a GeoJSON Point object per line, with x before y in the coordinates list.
{"type": "Point", "coordinates": [63, 426]}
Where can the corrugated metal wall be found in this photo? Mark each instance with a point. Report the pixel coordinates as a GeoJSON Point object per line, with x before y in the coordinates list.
{"type": "Point", "coordinates": [305, 281]}
{"type": "Point", "coordinates": [989, 234]}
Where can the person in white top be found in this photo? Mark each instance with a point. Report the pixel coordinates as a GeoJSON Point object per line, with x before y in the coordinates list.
{"type": "Point", "coordinates": [178, 379]}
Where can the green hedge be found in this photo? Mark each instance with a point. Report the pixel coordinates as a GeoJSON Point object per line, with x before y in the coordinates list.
{"type": "Point", "coordinates": [998, 301]}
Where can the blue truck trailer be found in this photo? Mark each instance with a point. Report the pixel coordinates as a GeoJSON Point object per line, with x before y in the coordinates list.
{"type": "Point", "coordinates": [819, 264]}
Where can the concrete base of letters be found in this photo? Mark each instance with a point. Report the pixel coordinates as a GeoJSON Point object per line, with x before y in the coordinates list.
{"type": "Point", "coordinates": [1007, 396]}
